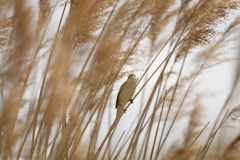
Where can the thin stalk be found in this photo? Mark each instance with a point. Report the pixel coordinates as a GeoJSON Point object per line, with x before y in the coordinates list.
{"type": "Point", "coordinates": [193, 141]}
{"type": "Point", "coordinates": [170, 105]}
{"type": "Point", "coordinates": [209, 141]}
{"type": "Point", "coordinates": [43, 83]}
{"type": "Point", "coordinates": [117, 145]}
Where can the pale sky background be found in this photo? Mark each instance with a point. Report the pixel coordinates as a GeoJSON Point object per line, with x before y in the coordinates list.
{"type": "Point", "coordinates": [216, 80]}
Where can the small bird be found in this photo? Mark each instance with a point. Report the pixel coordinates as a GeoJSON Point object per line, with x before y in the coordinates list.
{"type": "Point", "coordinates": [125, 93]}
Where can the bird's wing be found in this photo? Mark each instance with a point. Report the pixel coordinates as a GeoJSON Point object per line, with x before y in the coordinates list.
{"type": "Point", "coordinates": [119, 93]}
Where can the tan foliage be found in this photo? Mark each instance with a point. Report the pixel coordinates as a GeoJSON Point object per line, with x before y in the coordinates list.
{"type": "Point", "coordinates": [57, 77]}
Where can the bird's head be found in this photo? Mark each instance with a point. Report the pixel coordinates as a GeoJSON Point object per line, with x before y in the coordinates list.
{"type": "Point", "coordinates": [131, 75]}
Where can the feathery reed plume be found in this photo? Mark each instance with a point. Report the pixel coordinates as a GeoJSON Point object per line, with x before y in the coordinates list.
{"type": "Point", "coordinates": [61, 63]}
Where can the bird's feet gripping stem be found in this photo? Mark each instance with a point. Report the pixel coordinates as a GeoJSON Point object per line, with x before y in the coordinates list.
{"type": "Point", "coordinates": [131, 101]}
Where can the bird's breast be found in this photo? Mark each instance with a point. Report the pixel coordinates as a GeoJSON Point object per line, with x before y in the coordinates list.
{"type": "Point", "coordinates": [127, 92]}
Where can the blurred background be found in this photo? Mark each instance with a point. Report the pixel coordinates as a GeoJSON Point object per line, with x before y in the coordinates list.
{"type": "Point", "coordinates": [64, 61]}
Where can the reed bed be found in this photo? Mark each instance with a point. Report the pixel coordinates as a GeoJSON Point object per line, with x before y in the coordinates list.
{"type": "Point", "coordinates": [63, 61]}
